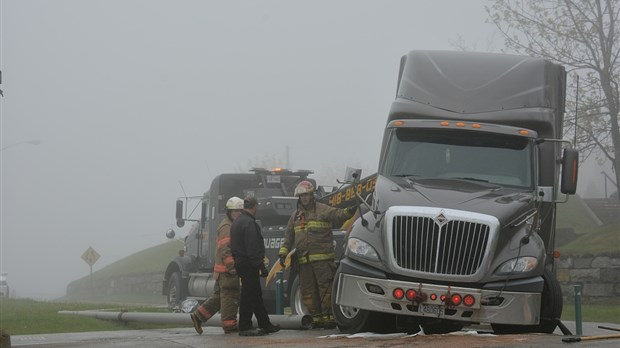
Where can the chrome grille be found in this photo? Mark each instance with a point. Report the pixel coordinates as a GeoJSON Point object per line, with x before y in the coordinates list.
{"type": "Point", "coordinates": [455, 248]}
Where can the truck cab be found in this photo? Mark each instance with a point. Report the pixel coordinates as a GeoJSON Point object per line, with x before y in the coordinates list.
{"type": "Point", "coordinates": [462, 224]}
{"type": "Point", "coordinates": [190, 275]}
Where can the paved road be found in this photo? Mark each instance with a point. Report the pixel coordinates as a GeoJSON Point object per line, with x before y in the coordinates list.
{"type": "Point", "coordinates": [214, 337]}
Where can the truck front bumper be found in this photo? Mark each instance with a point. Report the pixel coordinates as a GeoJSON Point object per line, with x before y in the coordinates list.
{"type": "Point", "coordinates": [490, 306]}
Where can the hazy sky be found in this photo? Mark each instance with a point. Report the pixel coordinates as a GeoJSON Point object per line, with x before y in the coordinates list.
{"type": "Point", "coordinates": [127, 98]}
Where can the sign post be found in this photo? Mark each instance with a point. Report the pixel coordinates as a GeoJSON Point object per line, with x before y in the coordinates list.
{"type": "Point", "coordinates": [90, 256]}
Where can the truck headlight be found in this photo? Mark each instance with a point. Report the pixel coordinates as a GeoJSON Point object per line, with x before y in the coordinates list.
{"type": "Point", "coordinates": [360, 248]}
{"type": "Point", "coordinates": [519, 265]}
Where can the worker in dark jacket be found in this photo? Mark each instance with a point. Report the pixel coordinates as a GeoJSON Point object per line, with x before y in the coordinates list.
{"type": "Point", "coordinates": [248, 250]}
{"type": "Point", "coordinates": [309, 233]}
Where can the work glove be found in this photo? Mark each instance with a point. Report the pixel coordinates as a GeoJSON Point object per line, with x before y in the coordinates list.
{"type": "Point", "coordinates": [282, 261]}
{"type": "Point", "coordinates": [263, 271]}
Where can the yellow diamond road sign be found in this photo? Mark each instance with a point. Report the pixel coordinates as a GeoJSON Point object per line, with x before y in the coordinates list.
{"type": "Point", "coordinates": [90, 256]}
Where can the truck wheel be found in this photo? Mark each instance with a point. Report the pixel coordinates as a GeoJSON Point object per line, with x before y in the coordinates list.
{"type": "Point", "coordinates": [352, 320]}
{"type": "Point", "coordinates": [550, 310]}
{"type": "Point", "coordinates": [296, 303]}
{"type": "Point", "coordinates": [349, 319]}
{"type": "Point", "coordinates": [176, 292]}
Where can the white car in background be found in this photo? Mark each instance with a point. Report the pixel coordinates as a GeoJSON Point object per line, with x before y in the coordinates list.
{"type": "Point", "coordinates": [4, 286]}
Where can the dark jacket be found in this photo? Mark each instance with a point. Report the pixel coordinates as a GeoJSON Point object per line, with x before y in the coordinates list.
{"type": "Point", "coordinates": [246, 241]}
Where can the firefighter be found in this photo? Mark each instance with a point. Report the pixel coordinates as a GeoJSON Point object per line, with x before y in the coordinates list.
{"type": "Point", "coordinates": [225, 298]}
{"type": "Point", "coordinates": [309, 232]}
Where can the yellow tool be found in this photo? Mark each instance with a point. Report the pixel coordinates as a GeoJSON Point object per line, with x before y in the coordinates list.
{"type": "Point", "coordinates": [278, 267]}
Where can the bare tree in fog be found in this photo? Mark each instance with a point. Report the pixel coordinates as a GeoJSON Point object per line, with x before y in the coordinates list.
{"type": "Point", "coordinates": [582, 35]}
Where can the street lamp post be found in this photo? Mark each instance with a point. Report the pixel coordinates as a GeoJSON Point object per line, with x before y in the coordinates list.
{"type": "Point", "coordinates": [33, 142]}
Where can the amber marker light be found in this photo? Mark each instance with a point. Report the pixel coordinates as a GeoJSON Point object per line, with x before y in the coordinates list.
{"type": "Point", "coordinates": [476, 125]}
{"type": "Point", "coordinates": [460, 124]}
{"type": "Point", "coordinates": [523, 132]}
{"type": "Point", "coordinates": [444, 123]}
{"type": "Point", "coordinates": [556, 254]}
{"type": "Point", "coordinates": [398, 123]}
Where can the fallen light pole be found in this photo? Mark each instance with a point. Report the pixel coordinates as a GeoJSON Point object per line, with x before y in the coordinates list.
{"type": "Point", "coordinates": [289, 322]}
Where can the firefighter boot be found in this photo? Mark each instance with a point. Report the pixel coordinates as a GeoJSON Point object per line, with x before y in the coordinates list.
{"type": "Point", "coordinates": [317, 322]}
{"type": "Point", "coordinates": [197, 323]}
{"type": "Point", "coordinates": [329, 322]}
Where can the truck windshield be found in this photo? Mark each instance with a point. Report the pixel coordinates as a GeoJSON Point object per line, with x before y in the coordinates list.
{"type": "Point", "coordinates": [459, 154]}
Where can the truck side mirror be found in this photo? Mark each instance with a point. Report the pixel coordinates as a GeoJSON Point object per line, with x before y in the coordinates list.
{"type": "Point", "coordinates": [179, 215]}
{"type": "Point", "coordinates": [570, 166]}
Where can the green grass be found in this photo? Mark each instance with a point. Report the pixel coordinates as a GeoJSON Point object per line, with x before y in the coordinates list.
{"type": "Point", "coordinates": [590, 239]}
{"type": "Point", "coordinates": [593, 313]}
{"type": "Point", "coordinates": [573, 215]}
{"type": "Point", "coordinates": [26, 316]}
{"type": "Point", "coordinates": [599, 241]}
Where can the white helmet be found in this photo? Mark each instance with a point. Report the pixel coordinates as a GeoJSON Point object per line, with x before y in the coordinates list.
{"type": "Point", "coordinates": [304, 187]}
{"type": "Point", "coordinates": [234, 203]}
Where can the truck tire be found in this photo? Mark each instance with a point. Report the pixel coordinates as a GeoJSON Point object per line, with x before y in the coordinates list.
{"type": "Point", "coordinates": [353, 320]}
{"type": "Point", "coordinates": [550, 310]}
{"type": "Point", "coordinates": [176, 292]}
{"type": "Point", "coordinates": [349, 319]}
{"type": "Point", "coordinates": [296, 303]}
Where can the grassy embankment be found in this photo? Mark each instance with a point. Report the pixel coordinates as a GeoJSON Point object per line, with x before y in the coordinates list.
{"type": "Point", "coordinates": [149, 261]}
{"type": "Point", "coordinates": [588, 239]}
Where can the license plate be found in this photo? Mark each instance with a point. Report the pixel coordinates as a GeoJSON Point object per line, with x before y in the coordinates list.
{"type": "Point", "coordinates": [432, 309]}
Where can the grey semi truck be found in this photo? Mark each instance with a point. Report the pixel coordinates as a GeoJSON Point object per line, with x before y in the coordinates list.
{"type": "Point", "coordinates": [460, 227]}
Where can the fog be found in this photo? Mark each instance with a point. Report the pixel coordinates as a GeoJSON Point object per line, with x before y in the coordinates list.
{"type": "Point", "coordinates": [108, 105]}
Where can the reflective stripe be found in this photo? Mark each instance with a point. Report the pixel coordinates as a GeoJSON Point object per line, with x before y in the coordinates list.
{"type": "Point", "coordinates": [203, 314]}
{"type": "Point", "coordinates": [229, 324]}
{"type": "Point", "coordinates": [219, 268]}
{"type": "Point", "coordinates": [313, 225]}
{"type": "Point", "coordinates": [317, 257]}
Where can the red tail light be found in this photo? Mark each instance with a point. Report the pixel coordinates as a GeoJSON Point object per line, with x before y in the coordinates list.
{"type": "Point", "coordinates": [398, 293]}
{"type": "Point", "coordinates": [469, 300]}
{"type": "Point", "coordinates": [456, 299]}
{"type": "Point", "coordinates": [410, 294]}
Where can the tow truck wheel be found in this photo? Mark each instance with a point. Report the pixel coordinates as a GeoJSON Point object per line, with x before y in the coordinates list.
{"type": "Point", "coordinates": [296, 303]}
{"type": "Point", "coordinates": [176, 293]}
{"type": "Point", "coordinates": [550, 310]}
